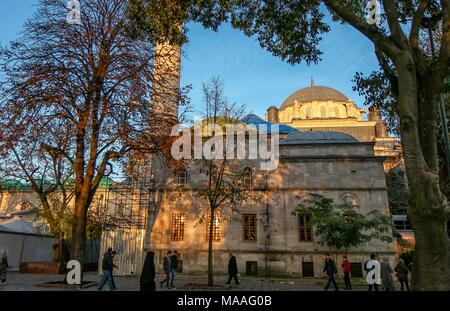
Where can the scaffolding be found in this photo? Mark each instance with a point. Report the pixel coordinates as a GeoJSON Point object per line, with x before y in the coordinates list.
{"type": "Point", "coordinates": [127, 206]}
{"type": "Point", "coordinates": [128, 201]}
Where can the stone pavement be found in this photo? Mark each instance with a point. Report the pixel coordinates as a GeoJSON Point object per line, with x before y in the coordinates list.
{"type": "Point", "coordinates": [28, 282]}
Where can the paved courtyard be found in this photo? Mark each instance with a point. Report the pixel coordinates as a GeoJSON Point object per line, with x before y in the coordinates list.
{"type": "Point", "coordinates": [28, 282]}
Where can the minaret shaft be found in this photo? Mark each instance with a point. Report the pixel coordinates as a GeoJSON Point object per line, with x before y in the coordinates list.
{"type": "Point", "coordinates": [166, 84]}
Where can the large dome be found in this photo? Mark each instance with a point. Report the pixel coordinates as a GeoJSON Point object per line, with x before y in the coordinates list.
{"type": "Point", "coordinates": [315, 93]}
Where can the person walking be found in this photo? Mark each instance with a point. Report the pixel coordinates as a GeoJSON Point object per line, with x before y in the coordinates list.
{"type": "Point", "coordinates": [173, 267]}
{"type": "Point", "coordinates": [375, 285]}
{"type": "Point", "coordinates": [3, 267]}
{"type": "Point", "coordinates": [167, 265]}
{"type": "Point", "coordinates": [147, 279]}
{"type": "Point", "coordinates": [107, 267]}
{"type": "Point", "coordinates": [347, 270]}
{"type": "Point", "coordinates": [402, 270]}
{"type": "Point", "coordinates": [232, 270]}
{"type": "Point", "coordinates": [113, 255]}
{"type": "Point", "coordinates": [330, 269]}
{"type": "Point", "coordinates": [386, 274]}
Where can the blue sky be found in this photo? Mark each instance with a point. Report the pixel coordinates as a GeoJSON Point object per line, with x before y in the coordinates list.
{"type": "Point", "coordinates": [252, 76]}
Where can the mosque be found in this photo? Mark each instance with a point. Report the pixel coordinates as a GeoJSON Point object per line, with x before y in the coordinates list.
{"type": "Point", "coordinates": [329, 146]}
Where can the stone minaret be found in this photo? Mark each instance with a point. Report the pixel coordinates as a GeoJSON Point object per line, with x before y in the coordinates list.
{"type": "Point", "coordinates": [166, 85]}
{"type": "Point", "coordinates": [164, 103]}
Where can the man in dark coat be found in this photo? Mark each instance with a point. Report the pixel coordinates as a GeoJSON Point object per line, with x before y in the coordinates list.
{"type": "Point", "coordinates": [402, 274]}
{"type": "Point", "coordinates": [330, 269]}
{"type": "Point", "coordinates": [173, 268]}
{"type": "Point", "coordinates": [232, 270]}
{"type": "Point", "coordinates": [107, 267]}
{"type": "Point", "coordinates": [147, 279]}
{"type": "Point", "coordinates": [167, 267]}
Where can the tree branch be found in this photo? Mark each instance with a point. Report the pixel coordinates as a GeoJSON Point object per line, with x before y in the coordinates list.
{"type": "Point", "coordinates": [416, 24]}
{"type": "Point", "coordinates": [370, 31]}
{"type": "Point", "coordinates": [397, 33]}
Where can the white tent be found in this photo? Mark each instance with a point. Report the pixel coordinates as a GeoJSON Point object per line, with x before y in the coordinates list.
{"type": "Point", "coordinates": [22, 243]}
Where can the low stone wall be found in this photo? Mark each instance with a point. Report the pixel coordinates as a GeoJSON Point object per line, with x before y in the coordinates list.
{"type": "Point", "coordinates": [40, 267]}
{"type": "Point", "coordinates": [279, 264]}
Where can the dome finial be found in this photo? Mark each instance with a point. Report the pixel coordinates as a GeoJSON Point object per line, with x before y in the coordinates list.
{"type": "Point", "coordinates": [312, 81]}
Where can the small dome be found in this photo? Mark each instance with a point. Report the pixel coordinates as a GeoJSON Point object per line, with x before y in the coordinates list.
{"type": "Point", "coordinates": [315, 93]}
{"type": "Point", "coordinates": [259, 124]}
{"type": "Point", "coordinates": [317, 137]}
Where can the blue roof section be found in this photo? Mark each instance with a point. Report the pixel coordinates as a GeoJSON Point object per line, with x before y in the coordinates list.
{"type": "Point", "coordinates": [300, 138]}
{"type": "Point", "coordinates": [262, 125]}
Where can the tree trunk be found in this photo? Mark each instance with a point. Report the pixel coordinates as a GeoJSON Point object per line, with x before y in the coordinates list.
{"type": "Point", "coordinates": [79, 230]}
{"type": "Point", "coordinates": [427, 210]}
{"type": "Point", "coordinates": [431, 261]}
{"type": "Point", "coordinates": [210, 249]}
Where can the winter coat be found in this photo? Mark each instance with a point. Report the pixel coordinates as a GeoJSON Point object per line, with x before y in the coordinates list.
{"type": "Point", "coordinates": [386, 274]}
{"type": "Point", "coordinates": [147, 279]}
{"type": "Point", "coordinates": [402, 271]}
{"type": "Point", "coordinates": [174, 262]}
{"type": "Point", "coordinates": [107, 262]}
{"type": "Point", "coordinates": [232, 266]}
{"type": "Point", "coordinates": [167, 264]}
{"type": "Point", "coordinates": [330, 267]}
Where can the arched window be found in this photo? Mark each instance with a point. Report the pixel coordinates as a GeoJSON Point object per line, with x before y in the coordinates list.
{"type": "Point", "coordinates": [25, 205]}
{"type": "Point", "coordinates": [331, 112]}
{"type": "Point", "coordinates": [349, 198]}
{"type": "Point", "coordinates": [178, 231]}
{"type": "Point", "coordinates": [181, 178]}
{"type": "Point", "coordinates": [337, 112]}
{"type": "Point", "coordinates": [247, 178]}
{"type": "Point", "coordinates": [323, 112]}
{"type": "Point", "coordinates": [308, 113]}
{"type": "Point", "coordinates": [217, 227]}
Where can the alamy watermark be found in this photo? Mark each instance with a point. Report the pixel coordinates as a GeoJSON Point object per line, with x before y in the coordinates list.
{"type": "Point", "coordinates": [373, 16]}
{"type": "Point", "coordinates": [74, 15]}
{"type": "Point", "coordinates": [374, 275]}
{"type": "Point", "coordinates": [228, 142]}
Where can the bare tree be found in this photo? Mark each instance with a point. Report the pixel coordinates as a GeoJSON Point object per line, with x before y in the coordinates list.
{"type": "Point", "coordinates": [226, 184]}
{"type": "Point", "coordinates": [78, 93]}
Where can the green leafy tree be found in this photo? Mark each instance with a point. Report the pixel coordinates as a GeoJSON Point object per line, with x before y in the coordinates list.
{"type": "Point", "coordinates": [341, 226]}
